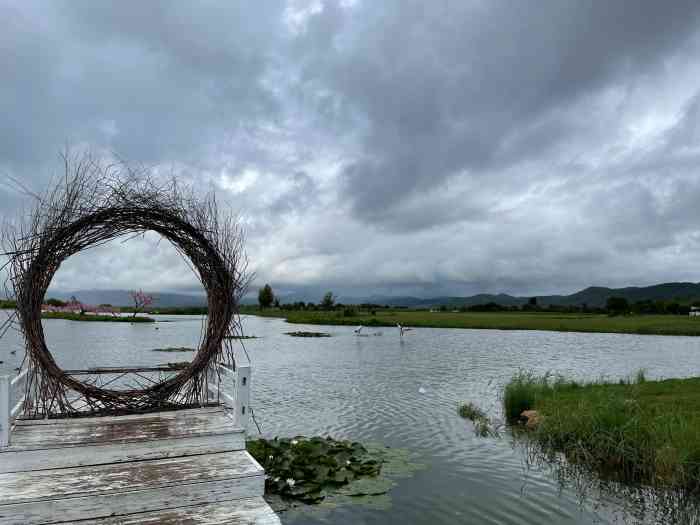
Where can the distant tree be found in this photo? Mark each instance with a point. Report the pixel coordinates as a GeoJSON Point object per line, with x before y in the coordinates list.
{"type": "Point", "coordinates": [74, 304]}
{"type": "Point", "coordinates": [265, 296]}
{"type": "Point", "coordinates": [277, 303]}
{"type": "Point", "coordinates": [532, 301]}
{"type": "Point", "coordinates": [141, 300]}
{"type": "Point", "coordinates": [617, 305]}
{"type": "Point", "coordinates": [328, 301]}
{"type": "Point", "coordinates": [55, 302]}
{"type": "Point", "coordinates": [673, 308]}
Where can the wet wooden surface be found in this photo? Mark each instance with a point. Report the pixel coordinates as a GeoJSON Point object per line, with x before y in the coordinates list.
{"type": "Point", "coordinates": [112, 429]}
{"type": "Point", "coordinates": [188, 466]}
{"type": "Point", "coordinates": [249, 511]}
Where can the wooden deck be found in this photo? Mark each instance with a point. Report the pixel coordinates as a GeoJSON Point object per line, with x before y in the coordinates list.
{"type": "Point", "coordinates": [186, 466]}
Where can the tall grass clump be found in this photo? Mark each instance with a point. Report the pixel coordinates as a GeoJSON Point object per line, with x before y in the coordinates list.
{"type": "Point", "coordinates": [523, 392]}
{"type": "Point", "coordinates": [636, 431]}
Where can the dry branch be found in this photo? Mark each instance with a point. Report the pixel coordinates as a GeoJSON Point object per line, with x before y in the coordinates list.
{"type": "Point", "coordinates": [93, 204]}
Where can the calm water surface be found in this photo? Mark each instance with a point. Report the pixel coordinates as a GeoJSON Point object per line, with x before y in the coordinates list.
{"type": "Point", "coordinates": [404, 393]}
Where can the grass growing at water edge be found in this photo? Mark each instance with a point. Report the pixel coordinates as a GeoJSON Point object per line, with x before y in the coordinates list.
{"type": "Point", "coordinates": [482, 424]}
{"type": "Point", "coordinates": [636, 431]}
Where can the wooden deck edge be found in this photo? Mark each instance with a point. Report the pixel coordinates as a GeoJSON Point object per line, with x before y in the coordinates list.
{"type": "Point", "coordinates": [244, 511]}
{"type": "Point", "coordinates": [118, 503]}
{"type": "Point", "coordinates": [57, 446]}
{"type": "Point", "coordinates": [168, 414]}
{"type": "Point", "coordinates": [106, 453]}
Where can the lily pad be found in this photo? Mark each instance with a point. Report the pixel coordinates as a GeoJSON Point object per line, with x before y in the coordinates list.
{"type": "Point", "coordinates": [303, 468]}
{"type": "Point", "coordinates": [367, 491]}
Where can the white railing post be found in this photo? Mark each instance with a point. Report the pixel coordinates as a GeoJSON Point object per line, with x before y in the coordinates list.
{"type": "Point", "coordinates": [242, 396]}
{"type": "Point", "coordinates": [5, 423]}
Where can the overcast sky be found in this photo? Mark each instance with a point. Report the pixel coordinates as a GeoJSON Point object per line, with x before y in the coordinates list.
{"type": "Point", "coordinates": [388, 146]}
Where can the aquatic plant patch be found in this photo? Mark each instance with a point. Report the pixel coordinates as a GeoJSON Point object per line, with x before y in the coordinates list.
{"type": "Point", "coordinates": [305, 469]}
{"type": "Point", "coordinates": [482, 424]}
{"type": "Point", "coordinates": [365, 491]}
{"type": "Point", "coordinates": [308, 334]}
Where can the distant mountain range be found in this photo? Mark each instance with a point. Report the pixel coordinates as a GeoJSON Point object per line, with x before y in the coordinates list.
{"type": "Point", "coordinates": [594, 296]}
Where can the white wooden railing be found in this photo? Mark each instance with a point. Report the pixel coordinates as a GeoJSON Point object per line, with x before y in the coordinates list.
{"type": "Point", "coordinates": [227, 386]}
{"type": "Point", "coordinates": [12, 396]}
{"type": "Point", "coordinates": [232, 389]}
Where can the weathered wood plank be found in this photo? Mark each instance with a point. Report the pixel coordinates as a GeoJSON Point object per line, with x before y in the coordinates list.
{"type": "Point", "coordinates": [170, 414]}
{"type": "Point", "coordinates": [114, 430]}
{"type": "Point", "coordinates": [105, 453]}
{"type": "Point", "coordinates": [67, 483]}
{"type": "Point", "coordinates": [249, 511]}
{"type": "Point", "coordinates": [118, 503]}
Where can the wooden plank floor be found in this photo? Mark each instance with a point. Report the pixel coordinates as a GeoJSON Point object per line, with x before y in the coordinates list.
{"type": "Point", "coordinates": [187, 466]}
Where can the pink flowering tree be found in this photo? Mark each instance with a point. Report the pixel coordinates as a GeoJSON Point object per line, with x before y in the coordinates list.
{"type": "Point", "coordinates": [75, 306]}
{"type": "Point", "coordinates": [141, 300]}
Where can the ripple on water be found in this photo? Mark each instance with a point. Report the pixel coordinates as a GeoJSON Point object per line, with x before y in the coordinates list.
{"type": "Point", "coordinates": [404, 393]}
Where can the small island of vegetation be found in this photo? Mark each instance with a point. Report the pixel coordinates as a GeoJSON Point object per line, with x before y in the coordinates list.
{"type": "Point", "coordinates": [308, 334]}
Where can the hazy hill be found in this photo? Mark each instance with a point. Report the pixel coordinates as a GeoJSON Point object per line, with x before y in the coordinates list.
{"type": "Point", "coordinates": [592, 296]}
{"type": "Point", "coordinates": [598, 295]}
{"type": "Point", "coordinates": [122, 298]}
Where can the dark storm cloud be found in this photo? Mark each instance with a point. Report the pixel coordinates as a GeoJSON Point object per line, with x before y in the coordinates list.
{"type": "Point", "coordinates": [398, 146]}
{"type": "Point", "coordinates": [458, 88]}
{"type": "Point", "coordinates": [155, 82]}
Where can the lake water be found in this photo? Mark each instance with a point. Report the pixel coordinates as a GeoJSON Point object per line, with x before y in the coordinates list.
{"type": "Point", "coordinates": [403, 392]}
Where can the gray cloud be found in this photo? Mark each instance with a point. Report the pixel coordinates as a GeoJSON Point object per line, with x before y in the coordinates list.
{"type": "Point", "coordinates": [397, 146]}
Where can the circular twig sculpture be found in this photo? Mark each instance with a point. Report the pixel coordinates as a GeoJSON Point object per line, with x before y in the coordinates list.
{"type": "Point", "coordinates": [93, 204]}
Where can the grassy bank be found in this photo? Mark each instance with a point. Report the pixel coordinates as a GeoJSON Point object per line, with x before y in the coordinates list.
{"type": "Point", "coordinates": [638, 431]}
{"type": "Point", "coordinates": [551, 321]}
{"type": "Point", "coordinates": [102, 318]}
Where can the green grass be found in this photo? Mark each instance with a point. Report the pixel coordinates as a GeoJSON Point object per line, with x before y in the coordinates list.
{"type": "Point", "coordinates": [554, 321]}
{"type": "Point", "coordinates": [102, 318]}
{"type": "Point", "coordinates": [639, 431]}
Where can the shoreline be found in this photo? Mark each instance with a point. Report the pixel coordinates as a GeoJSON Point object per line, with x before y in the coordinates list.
{"type": "Point", "coordinates": [662, 325]}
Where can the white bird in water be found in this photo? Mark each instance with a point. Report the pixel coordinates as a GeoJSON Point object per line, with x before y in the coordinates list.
{"type": "Point", "coordinates": [358, 330]}
{"type": "Point", "coordinates": [421, 390]}
{"type": "Point", "coordinates": [402, 329]}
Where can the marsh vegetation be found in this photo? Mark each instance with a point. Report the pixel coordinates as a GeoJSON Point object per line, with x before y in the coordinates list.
{"type": "Point", "coordinates": [635, 431]}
